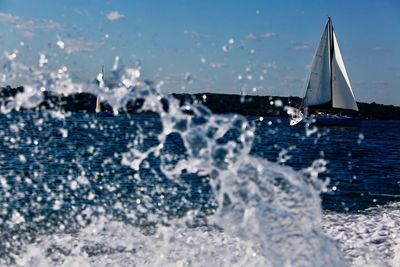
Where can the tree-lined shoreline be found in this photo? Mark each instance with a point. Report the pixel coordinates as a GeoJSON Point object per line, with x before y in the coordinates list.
{"type": "Point", "coordinates": [249, 105]}
{"type": "Point", "coordinates": [275, 105]}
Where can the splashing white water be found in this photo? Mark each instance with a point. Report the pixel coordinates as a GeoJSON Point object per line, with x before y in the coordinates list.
{"type": "Point", "coordinates": [370, 238]}
{"type": "Point", "coordinates": [265, 214]}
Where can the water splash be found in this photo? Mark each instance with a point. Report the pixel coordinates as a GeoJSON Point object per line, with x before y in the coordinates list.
{"type": "Point", "coordinates": [179, 188]}
{"type": "Point", "coordinates": [369, 238]}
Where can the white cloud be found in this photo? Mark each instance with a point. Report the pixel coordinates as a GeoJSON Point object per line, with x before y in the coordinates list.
{"type": "Point", "coordinates": [28, 24]}
{"type": "Point", "coordinates": [217, 65]}
{"type": "Point", "coordinates": [6, 17]}
{"type": "Point", "coordinates": [114, 15]}
{"type": "Point", "coordinates": [380, 82]}
{"type": "Point", "coordinates": [266, 35]}
{"type": "Point", "coordinates": [81, 12]}
{"type": "Point", "coordinates": [271, 65]}
{"type": "Point", "coordinates": [28, 34]}
{"type": "Point", "coordinates": [250, 36]}
{"type": "Point", "coordinates": [377, 49]}
{"type": "Point", "coordinates": [195, 34]}
{"type": "Point", "coordinates": [76, 45]}
{"type": "Point", "coordinates": [301, 47]}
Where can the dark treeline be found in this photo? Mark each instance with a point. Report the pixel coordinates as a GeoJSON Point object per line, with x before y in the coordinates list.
{"type": "Point", "coordinates": [217, 103]}
{"type": "Point", "coordinates": [266, 105]}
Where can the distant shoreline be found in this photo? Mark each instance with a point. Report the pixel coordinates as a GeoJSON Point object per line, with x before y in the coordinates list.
{"type": "Point", "coordinates": [275, 105]}
{"type": "Point", "coordinates": [249, 105]}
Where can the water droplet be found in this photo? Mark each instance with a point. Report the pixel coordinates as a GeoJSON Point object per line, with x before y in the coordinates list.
{"type": "Point", "coordinates": [91, 196]}
{"type": "Point", "coordinates": [57, 205]}
{"type": "Point", "coordinates": [22, 158]}
{"type": "Point", "coordinates": [42, 60]}
{"type": "Point", "coordinates": [278, 103]}
{"type": "Point", "coordinates": [60, 44]}
{"type": "Point", "coordinates": [73, 185]}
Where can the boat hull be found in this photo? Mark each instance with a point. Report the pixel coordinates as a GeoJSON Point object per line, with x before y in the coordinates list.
{"type": "Point", "coordinates": [104, 114]}
{"type": "Point", "coordinates": [337, 121]}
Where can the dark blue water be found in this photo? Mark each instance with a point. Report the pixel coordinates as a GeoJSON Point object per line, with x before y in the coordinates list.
{"type": "Point", "coordinates": [363, 163]}
{"type": "Point", "coordinates": [53, 170]}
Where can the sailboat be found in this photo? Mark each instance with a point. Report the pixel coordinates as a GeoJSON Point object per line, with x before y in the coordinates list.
{"type": "Point", "coordinates": [100, 113]}
{"type": "Point", "coordinates": [329, 98]}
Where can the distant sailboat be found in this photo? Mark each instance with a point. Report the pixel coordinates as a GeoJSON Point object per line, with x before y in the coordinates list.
{"type": "Point", "coordinates": [100, 113]}
{"type": "Point", "coordinates": [329, 98]}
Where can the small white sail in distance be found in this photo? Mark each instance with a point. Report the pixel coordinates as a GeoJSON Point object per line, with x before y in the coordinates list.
{"type": "Point", "coordinates": [98, 108]}
{"type": "Point", "coordinates": [100, 78]}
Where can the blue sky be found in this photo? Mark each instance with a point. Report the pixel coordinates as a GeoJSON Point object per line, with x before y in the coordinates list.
{"type": "Point", "coordinates": [258, 47]}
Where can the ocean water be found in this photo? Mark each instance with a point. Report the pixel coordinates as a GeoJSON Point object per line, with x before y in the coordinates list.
{"type": "Point", "coordinates": [185, 187]}
{"type": "Point", "coordinates": [362, 162]}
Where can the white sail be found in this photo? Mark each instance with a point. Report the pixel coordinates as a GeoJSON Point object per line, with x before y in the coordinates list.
{"type": "Point", "coordinates": [328, 86]}
{"type": "Point", "coordinates": [100, 78]}
{"type": "Point", "coordinates": [342, 94]}
{"type": "Point", "coordinates": [319, 85]}
{"type": "Point", "coordinates": [98, 106]}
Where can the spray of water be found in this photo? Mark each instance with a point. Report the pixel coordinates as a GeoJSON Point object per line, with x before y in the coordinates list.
{"type": "Point", "coordinates": [176, 187]}
{"type": "Point", "coordinates": [369, 238]}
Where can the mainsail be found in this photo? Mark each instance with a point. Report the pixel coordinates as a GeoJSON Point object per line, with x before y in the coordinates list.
{"type": "Point", "coordinates": [319, 84]}
{"type": "Point", "coordinates": [329, 86]}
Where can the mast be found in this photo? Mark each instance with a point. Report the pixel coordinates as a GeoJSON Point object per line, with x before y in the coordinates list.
{"type": "Point", "coordinates": [330, 27]}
